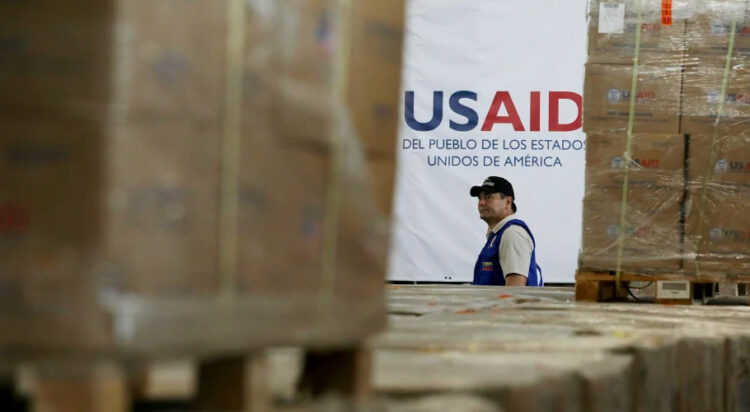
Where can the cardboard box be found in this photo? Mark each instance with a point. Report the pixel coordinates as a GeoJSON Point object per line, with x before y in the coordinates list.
{"type": "Point", "coordinates": [658, 161]}
{"type": "Point", "coordinates": [97, 208]}
{"type": "Point", "coordinates": [708, 32]}
{"type": "Point", "coordinates": [382, 180]}
{"type": "Point", "coordinates": [717, 233]}
{"type": "Point", "coordinates": [371, 84]}
{"type": "Point", "coordinates": [374, 86]}
{"type": "Point", "coordinates": [142, 57]}
{"type": "Point", "coordinates": [611, 36]}
{"type": "Point", "coordinates": [716, 207]}
{"type": "Point", "coordinates": [170, 58]}
{"type": "Point", "coordinates": [56, 55]}
{"type": "Point", "coordinates": [51, 175]}
{"type": "Point", "coordinates": [652, 242]}
{"type": "Point", "coordinates": [606, 99]}
{"type": "Point", "coordinates": [701, 98]}
{"type": "Point", "coordinates": [288, 198]}
{"type": "Point", "coordinates": [731, 161]}
{"type": "Point", "coordinates": [161, 209]}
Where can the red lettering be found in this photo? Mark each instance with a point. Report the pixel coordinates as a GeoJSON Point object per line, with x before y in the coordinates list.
{"type": "Point", "coordinates": [13, 218]}
{"type": "Point", "coordinates": [554, 111]}
{"type": "Point", "coordinates": [534, 111]}
{"type": "Point", "coordinates": [492, 115]}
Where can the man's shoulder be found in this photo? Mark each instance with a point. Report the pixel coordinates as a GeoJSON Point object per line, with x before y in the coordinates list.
{"type": "Point", "coordinates": [517, 233]}
{"type": "Point", "coordinates": [515, 230]}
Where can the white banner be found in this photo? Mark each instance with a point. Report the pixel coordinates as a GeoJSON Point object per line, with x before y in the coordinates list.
{"type": "Point", "coordinates": [491, 87]}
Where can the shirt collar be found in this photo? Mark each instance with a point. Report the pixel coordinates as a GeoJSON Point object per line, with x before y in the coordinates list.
{"type": "Point", "coordinates": [500, 225]}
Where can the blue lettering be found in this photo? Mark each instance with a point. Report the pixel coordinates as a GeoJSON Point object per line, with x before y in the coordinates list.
{"type": "Point", "coordinates": [467, 112]}
{"type": "Point", "coordinates": [437, 112]}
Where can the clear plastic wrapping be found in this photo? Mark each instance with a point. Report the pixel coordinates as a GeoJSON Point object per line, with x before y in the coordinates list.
{"type": "Point", "coordinates": [685, 130]}
{"type": "Point", "coordinates": [194, 176]}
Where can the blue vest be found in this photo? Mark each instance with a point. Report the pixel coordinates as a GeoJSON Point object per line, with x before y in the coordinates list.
{"type": "Point", "coordinates": [487, 270]}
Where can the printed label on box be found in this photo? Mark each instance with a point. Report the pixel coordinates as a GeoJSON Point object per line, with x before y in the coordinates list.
{"type": "Point", "coordinates": [611, 18]}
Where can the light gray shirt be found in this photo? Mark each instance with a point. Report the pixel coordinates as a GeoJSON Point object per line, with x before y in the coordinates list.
{"type": "Point", "coordinates": [514, 250]}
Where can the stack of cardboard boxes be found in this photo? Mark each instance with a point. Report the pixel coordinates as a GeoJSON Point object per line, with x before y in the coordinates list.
{"type": "Point", "coordinates": [683, 48]}
{"type": "Point", "coordinates": [717, 229]}
{"type": "Point", "coordinates": [111, 155]}
{"type": "Point", "coordinates": [655, 187]}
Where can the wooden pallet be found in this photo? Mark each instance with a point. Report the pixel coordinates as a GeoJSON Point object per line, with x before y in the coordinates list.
{"type": "Point", "coordinates": [600, 286]}
{"type": "Point", "coordinates": [232, 383]}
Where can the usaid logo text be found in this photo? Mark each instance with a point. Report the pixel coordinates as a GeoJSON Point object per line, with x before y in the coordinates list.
{"type": "Point", "coordinates": [718, 234]}
{"type": "Point", "coordinates": [714, 96]}
{"type": "Point", "coordinates": [723, 165]}
{"type": "Point", "coordinates": [618, 162]}
{"type": "Point", "coordinates": [502, 102]}
{"type": "Point", "coordinates": [724, 28]}
{"type": "Point", "coordinates": [613, 231]}
{"type": "Point", "coordinates": [617, 96]}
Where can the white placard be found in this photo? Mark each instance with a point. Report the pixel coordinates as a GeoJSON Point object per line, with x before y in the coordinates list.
{"type": "Point", "coordinates": [491, 87]}
{"type": "Point", "coordinates": [611, 18]}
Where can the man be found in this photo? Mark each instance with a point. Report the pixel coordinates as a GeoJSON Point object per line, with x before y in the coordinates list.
{"type": "Point", "coordinates": [509, 256]}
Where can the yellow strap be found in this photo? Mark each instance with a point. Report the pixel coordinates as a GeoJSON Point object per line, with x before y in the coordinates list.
{"type": "Point", "coordinates": [712, 151]}
{"type": "Point", "coordinates": [628, 151]}
{"type": "Point", "coordinates": [230, 156]}
{"type": "Point", "coordinates": [333, 195]}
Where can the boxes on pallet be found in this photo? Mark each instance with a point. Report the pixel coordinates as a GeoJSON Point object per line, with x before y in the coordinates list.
{"type": "Point", "coordinates": [717, 233]}
{"type": "Point", "coordinates": [128, 206]}
{"type": "Point", "coordinates": [708, 32]}
{"type": "Point", "coordinates": [702, 87]}
{"type": "Point", "coordinates": [606, 100]}
{"type": "Point", "coordinates": [655, 191]}
{"type": "Point", "coordinates": [612, 30]}
{"type": "Point", "coordinates": [657, 161]}
{"type": "Point", "coordinates": [651, 240]}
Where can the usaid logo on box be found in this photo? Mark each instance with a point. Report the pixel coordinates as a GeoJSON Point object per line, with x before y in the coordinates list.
{"type": "Point", "coordinates": [616, 96]}
{"type": "Point", "coordinates": [721, 166]}
{"type": "Point", "coordinates": [613, 231]}
{"type": "Point", "coordinates": [719, 28]}
{"type": "Point", "coordinates": [617, 162]}
{"type": "Point", "coordinates": [716, 234]}
{"type": "Point", "coordinates": [714, 97]}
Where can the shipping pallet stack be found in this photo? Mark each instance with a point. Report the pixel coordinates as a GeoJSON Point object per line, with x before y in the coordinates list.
{"type": "Point", "coordinates": [667, 125]}
{"type": "Point", "coordinates": [145, 144]}
{"type": "Point", "coordinates": [536, 349]}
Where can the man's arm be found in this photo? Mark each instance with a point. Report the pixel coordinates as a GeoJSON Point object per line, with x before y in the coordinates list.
{"type": "Point", "coordinates": [514, 279]}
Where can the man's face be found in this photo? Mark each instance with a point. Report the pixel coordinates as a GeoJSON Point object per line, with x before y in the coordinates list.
{"type": "Point", "coordinates": [494, 207]}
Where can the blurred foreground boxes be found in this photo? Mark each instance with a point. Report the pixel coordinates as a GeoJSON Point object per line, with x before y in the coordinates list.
{"type": "Point", "coordinates": [113, 156]}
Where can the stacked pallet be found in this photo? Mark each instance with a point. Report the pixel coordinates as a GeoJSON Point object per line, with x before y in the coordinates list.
{"type": "Point", "coordinates": [519, 349]}
{"type": "Point", "coordinates": [194, 178]}
{"type": "Point", "coordinates": [467, 348]}
{"type": "Point", "coordinates": [666, 120]}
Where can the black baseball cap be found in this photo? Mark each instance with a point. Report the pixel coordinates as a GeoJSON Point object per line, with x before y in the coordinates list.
{"type": "Point", "coordinates": [495, 184]}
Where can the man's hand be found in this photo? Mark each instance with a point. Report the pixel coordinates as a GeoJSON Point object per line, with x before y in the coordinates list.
{"type": "Point", "coordinates": [514, 279]}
